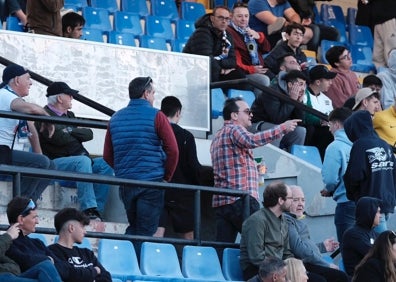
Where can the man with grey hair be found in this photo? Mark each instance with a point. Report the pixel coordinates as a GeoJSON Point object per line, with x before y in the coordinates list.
{"type": "Point", "coordinates": [65, 148]}
{"type": "Point", "coordinates": [271, 269]}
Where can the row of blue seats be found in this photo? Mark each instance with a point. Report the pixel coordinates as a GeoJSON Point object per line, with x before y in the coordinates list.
{"type": "Point", "coordinates": [218, 97]}
{"type": "Point", "coordinates": [162, 8]}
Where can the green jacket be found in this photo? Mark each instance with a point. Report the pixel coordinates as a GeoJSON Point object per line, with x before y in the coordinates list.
{"type": "Point", "coordinates": [7, 264]}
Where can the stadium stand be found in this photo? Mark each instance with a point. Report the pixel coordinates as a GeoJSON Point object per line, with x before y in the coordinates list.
{"type": "Point", "coordinates": [135, 6]}
{"type": "Point", "coordinates": [38, 236]}
{"type": "Point", "coordinates": [230, 264]}
{"type": "Point", "coordinates": [76, 5]}
{"type": "Point", "coordinates": [217, 100]}
{"type": "Point", "coordinates": [165, 9]}
{"type": "Point", "coordinates": [184, 29]}
{"type": "Point", "coordinates": [178, 45]}
{"type": "Point", "coordinates": [127, 23]}
{"type": "Point", "coordinates": [97, 18]}
{"type": "Point", "coordinates": [247, 95]}
{"type": "Point", "coordinates": [13, 23]}
{"type": "Point", "coordinates": [191, 11]}
{"type": "Point", "coordinates": [362, 59]}
{"type": "Point", "coordinates": [159, 28]}
{"type": "Point", "coordinates": [122, 38]}
{"type": "Point", "coordinates": [110, 5]}
{"type": "Point", "coordinates": [92, 34]}
{"type": "Point", "coordinates": [151, 42]}
{"type": "Point", "coordinates": [360, 35]}
{"type": "Point", "coordinates": [309, 154]}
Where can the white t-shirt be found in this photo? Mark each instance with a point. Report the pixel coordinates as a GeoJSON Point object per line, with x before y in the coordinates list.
{"type": "Point", "coordinates": [7, 125]}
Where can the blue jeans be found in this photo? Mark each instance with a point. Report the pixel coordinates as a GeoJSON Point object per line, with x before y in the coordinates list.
{"type": "Point", "coordinates": [32, 187]}
{"type": "Point", "coordinates": [44, 271]}
{"type": "Point", "coordinates": [382, 226]}
{"type": "Point", "coordinates": [89, 195]}
{"type": "Point", "coordinates": [344, 217]}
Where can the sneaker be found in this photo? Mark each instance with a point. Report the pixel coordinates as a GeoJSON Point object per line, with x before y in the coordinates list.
{"type": "Point", "coordinates": [93, 214]}
{"type": "Point", "coordinates": [276, 26]}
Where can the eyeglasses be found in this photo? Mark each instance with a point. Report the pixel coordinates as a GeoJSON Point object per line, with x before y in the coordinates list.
{"type": "Point", "coordinates": [30, 206]}
{"type": "Point", "coordinates": [347, 56]}
{"type": "Point", "coordinates": [298, 34]}
{"type": "Point", "coordinates": [221, 18]}
{"type": "Point", "coordinates": [247, 111]}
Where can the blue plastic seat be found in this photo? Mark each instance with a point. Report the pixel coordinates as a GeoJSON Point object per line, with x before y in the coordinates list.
{"type": "Point", "coordinates": [159, 259]}
{"type": "Point", "coordinates": [38, 236]}
{"type": "Point", "coordinates": [13, 23]}
{"type": "Point", "coordinates": [153, 43]}
{"type": "Point", "coordinates": [91, 35]}
{"type": "Point", "coordinates": [326, 45]}
{"type": "Point", "coordinates": [159, 27]}
{"type": "Point", "coordinates": [184, 29]}
{"type": "Point", "coordinates": [127, 22]}
{"type": "Point", "coordinates": [231, 267]}
{"type": "Point", "coordinates": [122, 38]}
{"type": "Point", "coordinates": [192, 11]}
{"type": "Point", "coordinates": [201, 263]}
{"type": "Point", "coordinates": [330, 13]}
{"type": "Point", "coordinates": [117, 280]}
{"type": "Point", "coordinates": [341, 265]}
{"type": "Point", "coordinates": [360, 35]}
{"type": "Point", "coordinates": [217, 99]}
{"type": "Point", "coordinates": [119, 258]}
{"type": "Point", "coordinates": [317, 19]}
{"type": "Point", "coordinates": [309, 154]}
{"type": "Point", "coordinates": [247, 95]}
{"type": "Point", "coordinates": [178, 45]}
{"type": "Point", "coordinates": [165, 9]}
{"type": "Point", "coordinates": [135, 6]}
{"type": "Point", "coordinates": [85, 244]}
{"type": "Point", "coordinates": [110, 5]}
{"type": "Point", "coordinates": [340, 26]}
{"type": "Point", "coordinates": [351, 15]}
{"type": "Point", "coordinates": [362, 59]}
{"type": "Point", "coordinates": [97, 18]}
{"type": "Point", "coordinates": [76, 5]}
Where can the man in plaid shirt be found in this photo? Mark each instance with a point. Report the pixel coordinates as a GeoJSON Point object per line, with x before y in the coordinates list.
{"type": "Point", "coordinates": [234, 166]}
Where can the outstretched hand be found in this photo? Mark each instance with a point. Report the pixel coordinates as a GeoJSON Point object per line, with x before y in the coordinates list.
{"type": "Point", "coordinates": [291, 124]}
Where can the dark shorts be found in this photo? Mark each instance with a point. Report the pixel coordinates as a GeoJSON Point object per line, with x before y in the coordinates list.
{"type": "Point", "coordinates": [179, 213]}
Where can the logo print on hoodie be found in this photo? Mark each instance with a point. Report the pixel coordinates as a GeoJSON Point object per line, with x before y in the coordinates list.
{"type": "Point", "coordinates": [379, 159]}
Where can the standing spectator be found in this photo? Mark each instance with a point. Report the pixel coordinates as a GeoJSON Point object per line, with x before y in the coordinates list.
{"type": "Point", "coordinates": [82, 264]}
{"type": "Point", "coordinates": [67, 151]}
{"type": "Point", "coordinates": [334, 166]}
{"type": "Point", "coordinates": [10, 270]}
{"type": "Point", "coordinates": [294, 34]}
{"type": "Point", "coordinates": [358, 240]}
{"type": "Point", "coordinates": [302, 246]}
{"type": "Point", "coordinates": [388, 78]}
{"type": "Point", "coordinates": [270, 16]}
{"type": "Point", "coordinates": [265, 233]}
{"type": "Point", "coordinates": [28, 252]}
{"type": "Point", "coordinates": [179, 204]}
{"type": "Point", "coordinates": [17, 8]}
{"type": "Point", "coordinates": [296, 271]}
{"type": "Point", "coordinates": [15, 86]}
{"type": "Point", "coordinates": [370, 170]}
{"type": "Point", "coordinates": [211, 39]}
{"type": "Point", "coordinates": [367, 100]}
{"type": "Point", "coordinates": [140, 145]}
{"type": "Point", "coordinates": [272, 269]}
{"type": "Point", "coordinates": [234, 166]}
{"type": "Point", "coordinates": [44, 16]}
{"type": "Point", "coordinates": [72, 25]}
{"type": "Point", "coordinates": [384, 124]}
{"type": "Point", "coordinates": [379, 263]}
{"type": "Point", "coordinates": [317, 130]}
{"type": "Point", "coordinates": [346, 83]}
{"type": "Point", "coordinates": [270, 110]}
{"type": "Point", "coordinates": [249, 46]}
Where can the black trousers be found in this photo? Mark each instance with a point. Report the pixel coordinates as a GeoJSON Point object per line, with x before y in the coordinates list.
{"type": "Point", "coordinates": [317, 273]}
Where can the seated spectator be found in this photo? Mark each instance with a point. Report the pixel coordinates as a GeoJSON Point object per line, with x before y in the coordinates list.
{"type": "Point", "coordinates": [272, 269]}
{"type": "Point", "coordinates": [294, 34]}
{"type": "Point", "coordinates": [296, 270]}
{"type": "Point", "coordinates": [179, 204]}
{"type": "Point", "coordinates": [249, 46]}
{"type": "Point", "coordinates": [367, 100]}
{"type": "Point", "coordinates": [359, 239]}
{"type": "Point", "coordinates": [72, 25]}
{"type": "Point", "coordinates": [384, 124]}
{"type": "Point", "coordinates": [83, 266]}
{"type": "Point", "coordinates": [44, 16]}
{"type": "Point", "coordinates": [318, 133]}
{"type": "Point", "coordinates": [265, 233]}
{"type": "Point", "coordinates": [17, 8]}
{"type": "Point", "coordinates": [302, 246]}
{"type": "Point", "coordinates": [28, 252]}
{"type": "Point", "coordinates": [388, 78]}
{"type": "Point", "coordinates": [11, 272]}
{"type": "Point", "coordinates": [65, 148]}
{"type": "Point", "coordinates": [211, 38]}
{"type": "Point", "coordinates": [346, 83]}
{"type": "Point", "coordinates": [16, 85]}
{"type": "Point", "coordinates": [371, 81]}
{"type": "Point", "coordinates": [380, 262]}
{"type": "Point", "coordinates": [270, 16]}
{"type": "Point", "coordinates": [269, 110]}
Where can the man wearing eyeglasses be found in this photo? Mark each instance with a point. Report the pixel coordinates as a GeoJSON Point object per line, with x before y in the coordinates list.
{"type": "Point", "coordinates": [234, 167]}
{"type": "Point", "coordinates": [31, 253]}
{"type": "Point", "coordinates": [346, 83]}
{"type": "Point", "coordinates": [140, 145]}
{"type": "Point", "coordinates": [212, 39]}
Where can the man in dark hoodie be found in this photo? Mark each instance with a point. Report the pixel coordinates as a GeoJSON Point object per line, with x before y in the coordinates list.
{"type": "Point", "coordinates": [358, 239]}
{"type": "Point", "coordinates": [212, 39]}
{"type": "Point", "coordinates": [371, 168]}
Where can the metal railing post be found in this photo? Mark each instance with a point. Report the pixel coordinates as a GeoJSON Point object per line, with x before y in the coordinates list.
{"type": "Point", "coordinates": [16, 184]}
{"type": "Point", "coordinates": [197, 216]}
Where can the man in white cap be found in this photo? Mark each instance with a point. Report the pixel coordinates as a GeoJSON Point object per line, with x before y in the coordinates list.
{"type": "Point", "coordinates": [15, 86]}
{"type": "Point", "coordinates": [367, 99]}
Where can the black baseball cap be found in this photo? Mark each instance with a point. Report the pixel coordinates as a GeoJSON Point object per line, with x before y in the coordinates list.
{"type": "Point", "coordinates": [12, 71]}
{"type": "Point", "coordinates": [319, 72]}
{"type": "Point", "coordinates": [60, 88]}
